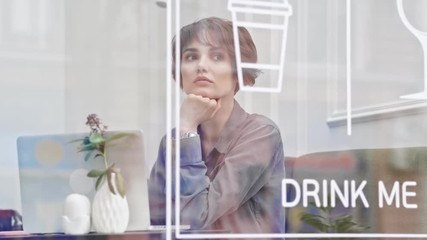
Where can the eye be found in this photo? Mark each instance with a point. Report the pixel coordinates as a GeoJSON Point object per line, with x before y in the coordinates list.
{"type": "Point", "coordinates": [190, 57]}
{"type": "Point", "coordinates": [217, 56]}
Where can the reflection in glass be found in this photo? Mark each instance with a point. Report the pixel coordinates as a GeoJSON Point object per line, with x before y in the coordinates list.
{"type": "Point", "coordinates": [422, 37]}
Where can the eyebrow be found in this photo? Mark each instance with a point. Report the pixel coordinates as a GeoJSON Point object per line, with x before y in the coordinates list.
{"type": "Point", "coordinates": [190, 50]}
{"type": "Point", "coordinates": [212, 49]}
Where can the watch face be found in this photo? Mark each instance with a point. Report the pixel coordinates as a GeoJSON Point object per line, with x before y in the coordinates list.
{"type": "Point", "coordinates": [189, 134]}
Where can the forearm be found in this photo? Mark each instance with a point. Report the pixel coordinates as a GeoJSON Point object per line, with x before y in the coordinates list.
{"type": "Point", "coordinates": [242, 173]}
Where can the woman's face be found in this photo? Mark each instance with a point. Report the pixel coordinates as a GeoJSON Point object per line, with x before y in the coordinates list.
{"type": "Point", "coordinates": [207, 71]}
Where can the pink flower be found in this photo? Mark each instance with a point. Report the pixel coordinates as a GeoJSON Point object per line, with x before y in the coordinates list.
{"type": "Point", "coordinates": [95, 123]}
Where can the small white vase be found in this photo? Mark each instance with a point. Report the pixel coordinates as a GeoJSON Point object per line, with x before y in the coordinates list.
{"type": "Point", "coordinates": [76, 218]}
{"type": "Point", "coordinates": [110, 212]}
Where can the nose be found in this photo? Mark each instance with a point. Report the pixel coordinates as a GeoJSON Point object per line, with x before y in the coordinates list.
{"type": "Point", "coordinates": [202, 65]}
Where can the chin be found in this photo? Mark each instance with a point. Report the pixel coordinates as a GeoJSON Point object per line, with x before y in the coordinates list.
{"type": "Point", "coordinates": [203, 93]}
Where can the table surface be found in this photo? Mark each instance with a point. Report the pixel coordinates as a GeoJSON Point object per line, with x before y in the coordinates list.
{"type": "Point", "coordinates": [132, 235]}
{"type": "Point", "coordinates": [143, 235]}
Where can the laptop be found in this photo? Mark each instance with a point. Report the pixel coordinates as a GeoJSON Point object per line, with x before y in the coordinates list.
{"type": "Point", "coordinates": [51, 168]}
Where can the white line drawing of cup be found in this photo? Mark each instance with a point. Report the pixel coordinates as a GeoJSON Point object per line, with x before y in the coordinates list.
{"type": "Point", "coordinates": [263, 7]}
{"type": "Point", "coordinates": [422, 37]}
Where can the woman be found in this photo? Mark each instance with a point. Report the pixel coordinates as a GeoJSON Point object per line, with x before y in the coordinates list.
{"type": "Point", "coordinates": [231, 162]}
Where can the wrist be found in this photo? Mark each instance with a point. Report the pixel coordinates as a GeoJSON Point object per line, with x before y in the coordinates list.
{"type": "Point", "coordinates": [187, 127]}
{"type": "Point", "coordinates": [184, 135]}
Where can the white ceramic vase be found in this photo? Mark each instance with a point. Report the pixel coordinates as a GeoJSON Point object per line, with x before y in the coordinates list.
{"type": "Point", "coordinates": [110, 212]}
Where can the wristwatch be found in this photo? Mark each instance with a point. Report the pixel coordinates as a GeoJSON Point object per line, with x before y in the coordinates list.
{"type": "Point", "coordinates": [189, 135]}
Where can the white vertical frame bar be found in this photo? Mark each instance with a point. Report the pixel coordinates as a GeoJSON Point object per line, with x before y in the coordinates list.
{"type": "Point", "coordinates": [177, 119]}
{"type": "Point", "coordinates": [168, 120]}
{"type": "Point", "coordinates": [348, 64]}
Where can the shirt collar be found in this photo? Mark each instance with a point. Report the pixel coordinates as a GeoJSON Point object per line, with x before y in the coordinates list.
{"type": "Point", "coordinates": [236, 119]}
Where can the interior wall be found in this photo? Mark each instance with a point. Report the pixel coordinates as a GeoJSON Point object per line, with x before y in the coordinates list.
{"type": "Point", "coordinates": [32, 80]}
{"type": "Point", "coordinates": [62, 60]}
{"type": "Point", "coordinates": [115, 67]}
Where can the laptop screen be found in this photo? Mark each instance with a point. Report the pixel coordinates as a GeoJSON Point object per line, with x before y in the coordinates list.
{"type": "Point", "coordinates": [51, 168]}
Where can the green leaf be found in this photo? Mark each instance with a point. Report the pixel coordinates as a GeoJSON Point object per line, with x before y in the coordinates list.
{"type": "Point", "coordinates": [115, 169]}
{"type": "Point", "coordinates": [109, 181]}
{"type": "Point", "coordinates": [317, 221]}
{"type": "Point", "coordinates": [343, 227]}
{"type": "Point", "coordinates": [88, 147]}
{"type": "Point", "coordinates": [313, 218]}
{"type": "Point", "coordinates": [345, 224]}
{"type": "Point", "coordinates": [312, 215]}
{"type": "Point", "coordinates": [99, 181]}
{"type": "Point", "coordinates": [323, 209]}
{"type": "Point", "coordinates": [118, 136]}
{"type": "Point", "coordinates": [95, 173]}
{"type": "Point", "coordinates": [76, 140]}
{"type": "Point", "coordinates": [346, 219]}
{"type": "Point", "coordinates": [96, 138]}
{"type": "Point", "coordinates": [357, 229]}
{"type": "Point", "coordinates": [86, 140]}
{"type": "Point", "coordinates": [120, 183]}
{"type": "Point", "coordinates": [88, 156]}
{"type": "Point", "coordinates": [318, 224]}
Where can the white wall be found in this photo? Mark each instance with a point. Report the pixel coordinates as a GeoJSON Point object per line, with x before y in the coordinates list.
{"type": "Point", "coordinates": [61, 60]}
{"type": "Point", "coordinates": [31, 81]}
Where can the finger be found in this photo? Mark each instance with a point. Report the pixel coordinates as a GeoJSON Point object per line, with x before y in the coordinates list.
{"type": "Point", "coordinates": [219, 102]}
{"type": "Point", "coordinates": [212, 103]}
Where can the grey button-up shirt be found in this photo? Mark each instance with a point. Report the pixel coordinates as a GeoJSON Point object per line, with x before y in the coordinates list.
{"type": "Point", "coordinates": [237, 187]}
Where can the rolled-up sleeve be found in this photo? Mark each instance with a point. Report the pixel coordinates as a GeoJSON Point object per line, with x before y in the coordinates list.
{"type": "Point", "coordinates": [245, 170]}
{"type": "Point", "coordinates": [237, 188]}
{"type": "Point", "coordinates": [157, 187]}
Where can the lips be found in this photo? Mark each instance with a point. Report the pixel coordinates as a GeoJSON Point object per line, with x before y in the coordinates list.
{"type": "Point", "coordinates": [202, 79]}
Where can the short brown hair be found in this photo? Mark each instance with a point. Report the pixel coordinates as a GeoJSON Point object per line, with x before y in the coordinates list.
{"type": "Point", "coordinates": [219, 32]}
